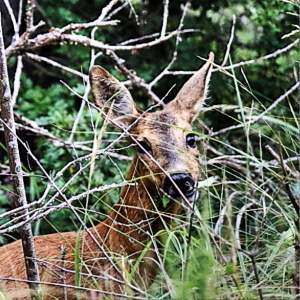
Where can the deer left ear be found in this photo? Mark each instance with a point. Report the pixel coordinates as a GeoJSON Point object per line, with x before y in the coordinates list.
{"type": "Point", "coordinates": [112, 96]}
{"type": "Point", "coordinates": [190, 98]}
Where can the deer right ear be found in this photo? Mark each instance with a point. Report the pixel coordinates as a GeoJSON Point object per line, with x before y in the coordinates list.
{"type": "Point", "coordinates": [111, 95]}
{"type": "Point", "coordinates": [191, 97]}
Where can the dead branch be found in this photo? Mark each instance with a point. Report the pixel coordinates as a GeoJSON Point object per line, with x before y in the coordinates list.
{"type": "Point", "coordinates": [44, 211]}
{"type": "Point", "coordinates": [17, 79]}
{"type": "Point", "coordinates": [257, 60]}
{"type": "Point", "coordinates": [174, 56]}
{"type": "Point", "coordinates": [133, 77]}
{"type": "Point", "coordinates": [165, 18]}
{"type": "Point", "coordinates": [19, 194]}
{"type": "Point", "coordinates": [55, 64]}
{"type": "Point", "coordinates": [56, 36]}
{"type": "Point", "coordinates": [30, 6]}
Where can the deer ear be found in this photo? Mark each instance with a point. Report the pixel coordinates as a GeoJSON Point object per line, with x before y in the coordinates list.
{"type": "Point", "coordinates": [111, 95]}
{"type": "Point", "coordinates": [190, 98]}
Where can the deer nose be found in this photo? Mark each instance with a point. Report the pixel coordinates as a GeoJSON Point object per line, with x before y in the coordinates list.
{"type": "Point", "coordinates": [179, 181]}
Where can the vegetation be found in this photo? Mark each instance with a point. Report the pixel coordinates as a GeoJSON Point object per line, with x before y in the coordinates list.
{"type": "Point", "coordinates": [239, 243]}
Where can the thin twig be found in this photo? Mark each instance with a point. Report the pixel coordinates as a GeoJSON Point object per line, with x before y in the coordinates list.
{"type": "Point", "coordinates": [75, 287]}
{"type": "Point", "coordinates": [30, 6]}
{"type": "Point", "coordinates": [12, 17]}
{"type": "Point", "coordinates": [272, 55]}
{"type": "Point", "coordinates": [254, 265]}
{"type": "Point", "coordinates": [17, 79]}
{"type": "Point", "coordinates": [133, 77]}
{"type": "Point", "coordinates": [174, 56]}
{"type": "Point", "coordinates": [257, 60]}
{"type": "Point", "coordinates": [165, 18]}
{"type": "Point", "coordinates": [44, 211]}
{"type": "Point", "coordinates": [55, 64]}
{"type": "Point", "coordinates": [228, 47]}
{"type": "Point", "coordinates": [296, 204]}
{"type": "Point", "coordinates": [257, 118]}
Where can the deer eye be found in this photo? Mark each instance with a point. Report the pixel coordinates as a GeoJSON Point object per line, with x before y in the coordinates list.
{"type": "Point", "coordinates": [143, 146]}
{"type": "Point", "coordinates": [191, 140]}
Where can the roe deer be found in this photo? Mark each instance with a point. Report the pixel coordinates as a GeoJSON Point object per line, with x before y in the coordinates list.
{"type": "Point", "coordinates": [166, 163]}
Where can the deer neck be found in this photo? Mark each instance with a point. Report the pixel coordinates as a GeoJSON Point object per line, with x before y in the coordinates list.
{"type": "Point", "coordinates": [135, 218]}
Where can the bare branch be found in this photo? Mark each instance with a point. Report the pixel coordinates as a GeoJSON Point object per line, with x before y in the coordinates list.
{"type": "Point", "coordinates": [133, 77]}
{"type": "Point", "coordinates": [55, 64]}
{"type": "Point", "coordinates": [154, 35]}
{"type": "Point", "coordinates": [165, 18]}
{"type": "Point", "coordinates": [30, 6]}
{"type": "Point", "coordinates": [174, 57]}
{"type": "Point", "coordinates": [56, 36]}
{"type": "Point", "coordinates": [272, 55]}
{"type": "Point", "coordinates": [12, 17]}
{"type": "Point", "coordinates": [19, 195]}
{"type": "Point", "coordinates": [96, 23]}
{"type": "Point", "coordinates": [17, 79]}
{"type": "Point", "coordinates": [257, 60]}
{"type": "Point", "coordinates": [46, 210]}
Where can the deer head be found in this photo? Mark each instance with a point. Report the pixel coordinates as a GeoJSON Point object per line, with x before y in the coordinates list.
{"type": "Point", "coordinates": [166, 147]}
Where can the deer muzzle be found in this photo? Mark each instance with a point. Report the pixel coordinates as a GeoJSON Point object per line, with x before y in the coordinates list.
{"type": "Point", "coordinates": [178, 184]}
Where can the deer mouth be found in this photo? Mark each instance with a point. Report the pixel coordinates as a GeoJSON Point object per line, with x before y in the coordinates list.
{"type": "Point", "coordinates": [179, 184]}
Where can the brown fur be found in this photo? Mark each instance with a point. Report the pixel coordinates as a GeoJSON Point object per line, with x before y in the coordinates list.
{"type": "Point", "coordinates": [108, 249]}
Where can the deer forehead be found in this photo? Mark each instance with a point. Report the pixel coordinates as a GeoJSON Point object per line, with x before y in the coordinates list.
{"type": "Point", "coordinates": [162, 124]}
